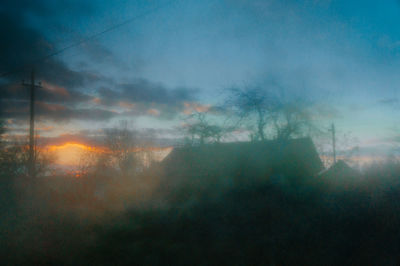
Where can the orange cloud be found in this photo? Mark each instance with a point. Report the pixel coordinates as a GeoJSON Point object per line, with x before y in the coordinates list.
{"type": "Point", "coordinates": [191, 107]}
{"type": "Point", "coordinates": [96, 100]}
{"type": "Point", "coordinates": [51, 107]}
{"type": "Point", "coordinates": [55, 89]}
{"type": "Point", "coordinates": [126, 105]}
{"type": "Point", "coordinates": [45, 128]}
{"type": "Point", "coordinates": [153, 112]}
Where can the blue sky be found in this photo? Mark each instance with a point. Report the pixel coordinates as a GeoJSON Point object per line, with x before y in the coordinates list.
{"type": "Point", "coordinates": [343, 55]}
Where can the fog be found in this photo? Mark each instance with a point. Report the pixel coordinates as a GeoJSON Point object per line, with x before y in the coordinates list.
{"type": "Point", "coordinates": [191, 132]}
{"type": "Point", "coordinates": [254, 202]}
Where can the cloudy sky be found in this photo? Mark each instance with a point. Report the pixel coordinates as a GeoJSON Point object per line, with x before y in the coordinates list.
{"type": "Point", "coordinates": [174, 56]}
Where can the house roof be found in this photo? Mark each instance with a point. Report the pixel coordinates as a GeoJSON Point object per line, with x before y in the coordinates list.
{"type": "Point", "coordinates": [340, 170]}
{"type": "Point", "coordinates": [293, 157]}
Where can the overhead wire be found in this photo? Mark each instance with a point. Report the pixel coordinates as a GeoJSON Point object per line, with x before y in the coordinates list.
{"type": "Point", "coordinates": [91, 37]}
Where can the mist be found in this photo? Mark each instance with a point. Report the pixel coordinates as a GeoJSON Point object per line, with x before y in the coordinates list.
{"type": "Point", "coordinates": [199, 133]}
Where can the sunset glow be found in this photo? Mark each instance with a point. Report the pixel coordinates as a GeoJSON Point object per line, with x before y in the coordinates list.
{"type": "Point", "coordinates": [69, 153]}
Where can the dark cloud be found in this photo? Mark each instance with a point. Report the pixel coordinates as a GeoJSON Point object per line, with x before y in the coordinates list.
{"type": "Point", "coordinates": [56, 103]}
{"type": "Point", "coordinates": [20, 44]}
{"type": "Point", "coordinates": [147, 98]}
{"type": "Point", "coordinates": [64, 90]}
{"type": "Point", "coordinates": [48, 7]}
{"type": "Point", "coordinates": [21, 7]}
{"type": "Point", "coordinates": [21, 48]}
{"type": "Point", "coordinates": [389, 101]}
{"type": "Point", "coordinates": [143, 137]}
{"type": "Point", "coordinates": [55, 112]}
{"type": "Point", "coordinates": [46, 93]}
{"type": "Point", "coordinates": [143, 91]}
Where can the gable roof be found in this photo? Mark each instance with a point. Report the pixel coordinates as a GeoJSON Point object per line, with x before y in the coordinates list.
{"type": "Point", "coordinates": [340, 170]}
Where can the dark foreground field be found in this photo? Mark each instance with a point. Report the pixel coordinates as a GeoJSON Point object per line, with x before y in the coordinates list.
{"type": "Point", "coordinates": [308, 221]}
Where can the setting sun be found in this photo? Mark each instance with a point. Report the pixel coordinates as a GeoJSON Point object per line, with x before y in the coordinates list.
{"type": "Point", "coordinates": [69, 153]}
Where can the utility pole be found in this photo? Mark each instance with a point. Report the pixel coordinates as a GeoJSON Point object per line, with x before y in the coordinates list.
{"type": "Point", "coordinates": [32, 155]}
{"type": "Point", "coordinates": [333, 142]}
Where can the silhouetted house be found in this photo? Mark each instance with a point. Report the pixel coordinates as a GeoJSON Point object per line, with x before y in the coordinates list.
{"type": "Point", "coordinates": [340, 175]}
{"type": "Point", "coordinates": [340, 170]}
{"type": "Point", "coordinates": [240, 162]}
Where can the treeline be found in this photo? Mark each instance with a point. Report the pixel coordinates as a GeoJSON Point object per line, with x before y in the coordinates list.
{"type": "Point", "coordinates": [306, 220]}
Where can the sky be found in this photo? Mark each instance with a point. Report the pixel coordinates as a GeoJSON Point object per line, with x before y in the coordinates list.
{"type": "Point", "coordinates": [176, 56]}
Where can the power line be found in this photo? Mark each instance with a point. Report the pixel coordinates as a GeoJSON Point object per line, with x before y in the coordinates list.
{"type": "Point", "coordinates": [332, 130]}
{"type": "Point", "coordinates": [94, 36]}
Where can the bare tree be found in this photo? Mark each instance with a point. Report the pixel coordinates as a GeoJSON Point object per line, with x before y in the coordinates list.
{"type": "Point", "coordinates": [87, 163]}
{"type": "Point", "coordinates": [120, 143]}
{"type": "Point", "coordinates": [2, 130]}
{"type": "Point", "coordinates": [292, 119]}
{"type": "Point", "coordinates": [4, 168]}
{"type": "Point", "coordinates": [198, 128]}
{"type": "Point", "coordinates": [15, 158]}
{"type": "Point", "coordinates": [118, 157]}
{"type": "Point", "coordinates": [253, 104]}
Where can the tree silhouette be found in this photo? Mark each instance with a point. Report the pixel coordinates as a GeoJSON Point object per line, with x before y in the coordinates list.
{"type": "Point", "coordinates": [253, 104]}
{"type": "Point", "coordinates": [198, 127]}
{"type": "Point", "coordinates": [120, 142]}
{"type": "Point", "coordinates": [3, 166]}
{"type": "Point", "coordinates": [292, 119]}
{"type": "Point", "coordinates": [2, 130]}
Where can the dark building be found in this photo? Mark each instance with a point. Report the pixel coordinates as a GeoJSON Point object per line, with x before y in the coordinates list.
{"type": "Point", "coordinates": [340, 175]}
{"type": "Point", "coordinates": [239, 163]}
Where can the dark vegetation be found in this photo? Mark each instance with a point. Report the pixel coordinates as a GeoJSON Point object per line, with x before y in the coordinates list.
{"type": "Point", "coordinates": [268, 216]}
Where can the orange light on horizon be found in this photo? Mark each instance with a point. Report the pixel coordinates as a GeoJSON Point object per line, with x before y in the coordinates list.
{"type": "Point", "coordinates": [70, 153]}
{"type": "Point", "coordinates": [70, 144]}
